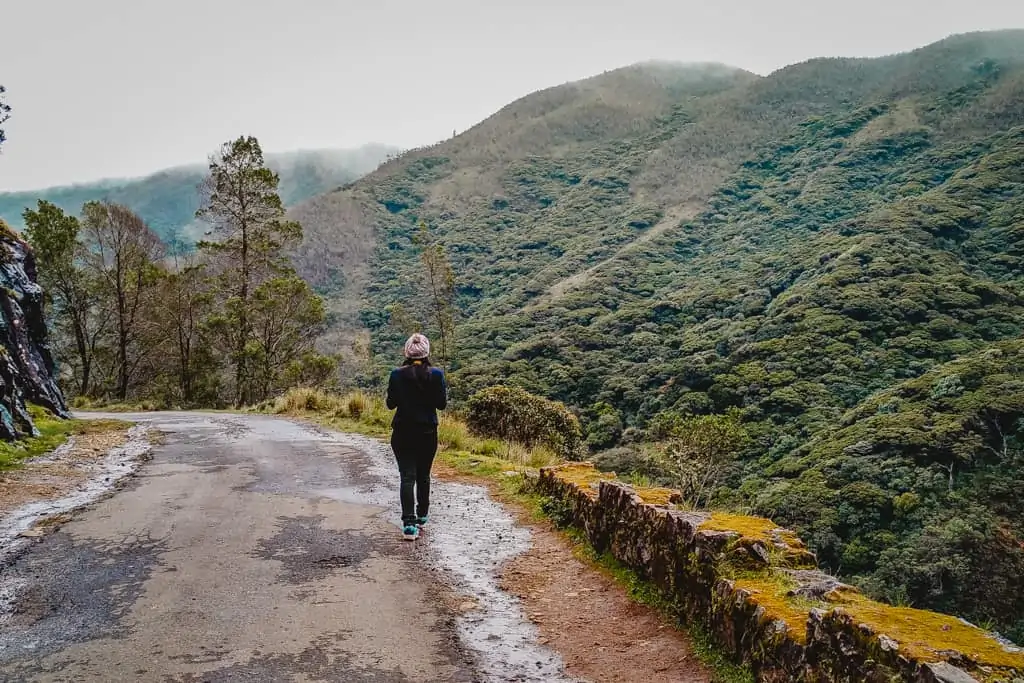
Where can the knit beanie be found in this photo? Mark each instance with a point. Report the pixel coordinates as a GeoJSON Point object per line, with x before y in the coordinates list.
{"type": "Point", "coordinates": [417, 347]}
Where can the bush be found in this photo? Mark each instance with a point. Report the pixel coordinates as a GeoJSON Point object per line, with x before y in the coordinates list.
{"type": "Point", "coordinates": [356, 404]}
{"type": "Point", "coordinates": [451, 434]}
{"type": "Point", "coordinates": [304, 400]}
{"type": "Point", "coordinates": [517, 415]}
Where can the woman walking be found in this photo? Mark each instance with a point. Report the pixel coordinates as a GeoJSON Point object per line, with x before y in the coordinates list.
{"type": "Point", "coordinates": [417, 390]}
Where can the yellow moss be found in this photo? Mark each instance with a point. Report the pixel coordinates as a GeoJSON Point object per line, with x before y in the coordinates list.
{"type": "Point", "coordinates": [657, 496]}
{"type": "Point", "coordinates": [925, 635]}
{"type": "Point", "coordinates": [583, 475]}
{"type": "Point", "coordinates": [753, 528]}
{"type": "Point", "coordinates": [769, 592]}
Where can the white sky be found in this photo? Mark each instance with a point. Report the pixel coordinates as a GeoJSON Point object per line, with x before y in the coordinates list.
{"type": "Point", "coordinates": [114, 88]}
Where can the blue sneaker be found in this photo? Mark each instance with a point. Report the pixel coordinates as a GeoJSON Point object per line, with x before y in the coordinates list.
{"type": "Point", "coordinates": [410, 532]}
{"type": "Point", "coordinates": [421, 521]}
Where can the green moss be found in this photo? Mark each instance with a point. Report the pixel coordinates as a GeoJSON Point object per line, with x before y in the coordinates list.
{"type": "Point", "coordinates": [52, 433]}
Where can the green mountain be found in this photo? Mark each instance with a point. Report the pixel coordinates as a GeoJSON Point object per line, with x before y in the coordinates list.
{"type": "Point", "coordinates": [834, 249]}
{"type": "Point", "coordinates": [168, 200]}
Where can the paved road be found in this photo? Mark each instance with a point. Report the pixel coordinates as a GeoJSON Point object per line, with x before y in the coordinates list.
{"type": "Point", "coordinates": [239, 553]}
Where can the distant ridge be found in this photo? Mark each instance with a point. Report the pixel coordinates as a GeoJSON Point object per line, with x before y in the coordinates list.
{"type": "Point", "coordinates": [167, 199]}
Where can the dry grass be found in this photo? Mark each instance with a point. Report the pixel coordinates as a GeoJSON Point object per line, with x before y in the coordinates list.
{"type": "Point", "coordinates": [365, 413]}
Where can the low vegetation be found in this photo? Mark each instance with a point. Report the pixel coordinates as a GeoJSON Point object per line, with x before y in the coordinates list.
{"type": "Point", "coordinates": [365, 413]}
{"type": "Point", "coordinates": [53, 432]}
{"type": "Point", "coordinates": [516, 415]}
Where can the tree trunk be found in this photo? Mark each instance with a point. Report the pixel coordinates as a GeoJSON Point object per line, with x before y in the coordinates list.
{"type": "Point", "coordinates": [122, 333]}
{"type": "Point", "coordinates": [83, 353]}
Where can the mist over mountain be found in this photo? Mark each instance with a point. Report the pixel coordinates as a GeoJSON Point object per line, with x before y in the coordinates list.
{"type": "Point", "coordinates": [168, 199]}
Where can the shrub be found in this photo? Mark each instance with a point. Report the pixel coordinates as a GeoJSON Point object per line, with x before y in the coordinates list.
{"type": "Point", "coordinates": [699, 452]}
{"type": "Point", "coordinates": [451, 434]}
{"type": "Point", "coordinates": [488, 447]}
{"type": "Point", "coordinates": [511, 413]}
{"type": "Point", "coordinates": [304, 400]}
{"type": "Point", "coordinates": [356, 404]}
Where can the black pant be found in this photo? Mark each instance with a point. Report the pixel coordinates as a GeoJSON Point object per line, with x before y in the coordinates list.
{"type": "Point", "coordinates": [415, 447]}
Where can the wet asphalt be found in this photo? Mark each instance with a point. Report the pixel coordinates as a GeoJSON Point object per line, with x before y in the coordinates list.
{"type": "Point", "coordinates": [247, 549]}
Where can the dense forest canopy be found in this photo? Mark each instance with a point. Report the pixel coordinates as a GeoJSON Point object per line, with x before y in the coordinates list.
{"type": "Point", "coordinates": [832, 253]}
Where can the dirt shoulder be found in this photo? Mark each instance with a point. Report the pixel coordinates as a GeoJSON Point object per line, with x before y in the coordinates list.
{"type": "Point", "coordinates": [36, 494]}
{"type": "Point", "coordinates": [61, 471]}
{"type": "Point", "coordinates": [601, 633]}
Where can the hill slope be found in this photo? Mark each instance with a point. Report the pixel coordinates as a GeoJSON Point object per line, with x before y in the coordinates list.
{"type": "Point", "coordinates": [693, 239]}
{"type": "Point", "coordinates": [168, 200]}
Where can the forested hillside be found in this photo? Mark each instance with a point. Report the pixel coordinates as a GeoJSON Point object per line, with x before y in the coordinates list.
{"type": "Point", "coordinates": [168, 200]}
{"type": "Point", "coordinates": [834, 250]}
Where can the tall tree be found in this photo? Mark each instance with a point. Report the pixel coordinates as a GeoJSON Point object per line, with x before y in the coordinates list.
{"type": "Point", "coordinates": [124, 252]}
{"type": "Point", "coordinates": [439, 278]}
{"type": "Point", "coordinates": [54, 237]}
{"type": "Point", "coordinates": [287, 318]}
{"type": "Point", "coordinates": [183, 305]}
{"type": "Point", "coordinates": [249, 237]}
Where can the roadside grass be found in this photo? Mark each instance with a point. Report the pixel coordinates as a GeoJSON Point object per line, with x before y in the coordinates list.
{"type": "Point", "coordinates": [505, 469]}
{"type": "Point", "coordinates": [87, 404]}
{"type": "Point", "coordinates": [53, 432]}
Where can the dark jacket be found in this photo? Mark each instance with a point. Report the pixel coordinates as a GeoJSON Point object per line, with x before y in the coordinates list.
{"type": "Point", "coordinates": [417, 400]}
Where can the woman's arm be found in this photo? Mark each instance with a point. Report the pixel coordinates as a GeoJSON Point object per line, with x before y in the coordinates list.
{"type": "Point", "coordinates": [442, 388]}
{"type": "Point", "coordinates": [392, 398]}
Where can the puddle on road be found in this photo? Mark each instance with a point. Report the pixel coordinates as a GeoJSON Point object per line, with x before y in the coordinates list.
{"type": "Point", "coordinates": [469, 537]}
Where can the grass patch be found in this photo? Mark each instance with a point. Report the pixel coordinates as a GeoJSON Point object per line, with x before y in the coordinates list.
{"type": "Point", "coordinates": [363, 413]}
{"type": "Point", "coordinates": [92, 405]}
{"type": "Point", "coordinates": [52, 433]}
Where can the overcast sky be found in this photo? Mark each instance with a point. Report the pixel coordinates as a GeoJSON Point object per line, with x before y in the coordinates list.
{"type": "Point", "coordinates": [115, 88]}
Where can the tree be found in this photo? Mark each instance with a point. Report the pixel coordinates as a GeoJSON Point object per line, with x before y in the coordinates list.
{"type": "Point", "coordinates": [184, 304]}
{"type": "Point", "coordinates": [440, 281]}
{"type": "Point", "coordinates": [250, 237]}
{"type": "Point", "coordinates": [286, 318]}
{"type": "Point", "coordinates": [54, 237]}
{"type": "Point", "coordinates": [700, 449]}
{"type": "Point", "coordinates": [123, 252]}
{"type": "Point", "coordinates": [5, 113]}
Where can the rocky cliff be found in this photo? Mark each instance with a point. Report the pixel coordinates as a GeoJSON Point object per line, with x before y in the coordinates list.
{"type": "Point", "coordinates": [756, 588]}
{"type": "Point", "coordinates": [26, 363]}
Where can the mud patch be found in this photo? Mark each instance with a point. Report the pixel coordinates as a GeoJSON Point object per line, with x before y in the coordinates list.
{"type": "Point", "coordinates": [108, 578]}
{"type": "Point", "coordinates": [309, 552]}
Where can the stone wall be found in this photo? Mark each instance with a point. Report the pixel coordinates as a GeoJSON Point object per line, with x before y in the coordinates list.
{"type": "Point", "coordinates": [757, 589]}
{"type": "Point", "coordinates": [26, 363]}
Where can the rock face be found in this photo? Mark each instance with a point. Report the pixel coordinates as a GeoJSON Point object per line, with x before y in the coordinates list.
{"type": "Point", "coordinates": [26, 363]}
{"type": "Point", "coordinates": [756, 588]}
